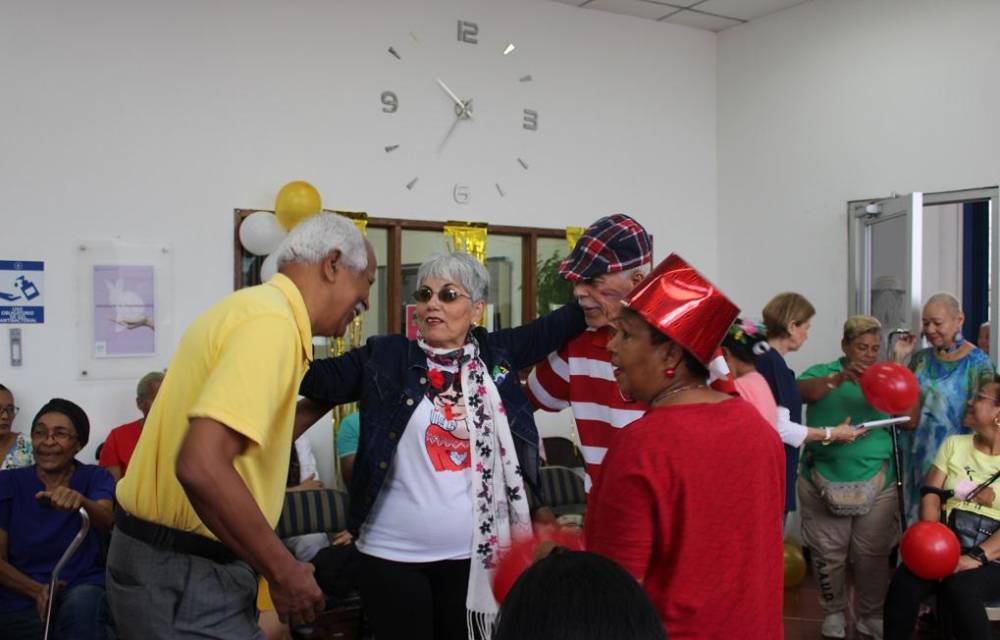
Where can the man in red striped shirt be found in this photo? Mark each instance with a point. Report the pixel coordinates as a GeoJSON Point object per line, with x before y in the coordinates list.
{"type": "Point", "coordinates": [610, 258]}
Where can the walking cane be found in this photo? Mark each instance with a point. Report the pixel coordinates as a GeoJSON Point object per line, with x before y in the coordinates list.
{"type": "Point", "coordinates": [898, 459]}
{"type": "Point", "coordinates": [70, 550]}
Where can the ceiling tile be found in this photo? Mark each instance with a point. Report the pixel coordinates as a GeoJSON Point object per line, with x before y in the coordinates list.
{"type": "Point", "coordinates": [637, 8]}
{"type": "Point", "coordinates": [746, 9]}
{"type": "Point", "coordinates": [702, 21]}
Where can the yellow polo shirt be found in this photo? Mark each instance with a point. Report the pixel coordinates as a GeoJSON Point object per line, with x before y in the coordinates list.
{"type": "Point", "coordinates": [239, 363]}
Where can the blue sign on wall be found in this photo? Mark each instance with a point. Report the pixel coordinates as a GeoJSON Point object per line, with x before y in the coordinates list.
{"type": "Point", "coordinates": [22, 289]}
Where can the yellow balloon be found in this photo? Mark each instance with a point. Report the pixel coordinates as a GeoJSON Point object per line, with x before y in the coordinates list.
{"type": "Point", "coordinates": [795, 565]}
{"type": "Point", "coordinates": [295, 202]}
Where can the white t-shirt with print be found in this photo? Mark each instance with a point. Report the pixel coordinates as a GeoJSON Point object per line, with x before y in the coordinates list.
{"type": "Point", "coordinates": [424, 510]}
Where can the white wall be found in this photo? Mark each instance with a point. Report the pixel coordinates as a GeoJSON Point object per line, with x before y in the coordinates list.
{"type": "Point", "coordinates": [151, 121]}
{"type": "Point", "coordinates": [836, 100]}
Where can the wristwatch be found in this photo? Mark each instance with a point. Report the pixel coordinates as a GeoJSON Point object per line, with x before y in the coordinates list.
{"type": "Point", "coordinates": [977, 553]}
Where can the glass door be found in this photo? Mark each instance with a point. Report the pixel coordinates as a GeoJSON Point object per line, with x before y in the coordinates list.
{"type": "Point", "coordinates": [886, 240]}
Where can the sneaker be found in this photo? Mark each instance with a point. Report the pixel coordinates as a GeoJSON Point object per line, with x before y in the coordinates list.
{"type": "Point", "coordinates": [870, 626]}
{"type": "Point", "coordinates": [834, 626]}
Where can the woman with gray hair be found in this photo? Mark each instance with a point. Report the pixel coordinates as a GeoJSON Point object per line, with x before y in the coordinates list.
{"type": "Point", "coordinates": [448, 454]}
{"type": "Point", "coordinates": [949, 372]}
{"type": "Point", "coordinates": [846, 489]}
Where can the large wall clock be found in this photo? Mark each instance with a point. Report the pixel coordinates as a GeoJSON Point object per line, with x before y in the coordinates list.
{"type": "Point", "coordinates": [459, 113]}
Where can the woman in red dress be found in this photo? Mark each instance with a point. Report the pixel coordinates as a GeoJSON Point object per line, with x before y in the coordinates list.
{"type": "Point", "coordinates": [690, 496]}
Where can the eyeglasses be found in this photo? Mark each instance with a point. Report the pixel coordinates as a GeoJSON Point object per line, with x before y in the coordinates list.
{"type": "Point", "coordinates": [10, 410]}
{"type": "Point", "coordinates": [60, 436]}
{"type": "Point", "coordinates": [983, 396]}
{"type": "Point", "coordinates": [446, 294]}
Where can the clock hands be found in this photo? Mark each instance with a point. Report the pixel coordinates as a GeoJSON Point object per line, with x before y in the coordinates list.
{"type": "Point", "coordinates": [463, 109]}
{"type": "Point", "coordinates": [454, 124]}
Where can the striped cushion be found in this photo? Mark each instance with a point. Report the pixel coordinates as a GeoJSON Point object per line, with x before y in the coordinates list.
{"type": "Point", "coordinates": [563, 487]}
{"type": "Point", "coordinates": [313, 511]}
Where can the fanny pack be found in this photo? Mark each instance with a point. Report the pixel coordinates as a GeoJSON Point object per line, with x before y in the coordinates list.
{"type": "Point", "coordinates": [853, 498]}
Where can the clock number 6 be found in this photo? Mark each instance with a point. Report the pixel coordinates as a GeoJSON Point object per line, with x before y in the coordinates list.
{"type": "Point", "coordinates": [467, 31]}
{"type": "Point", "coordinates": [461, 194]}
{"type": "Point", "coordinates": [531, 120]}
{"type": "Point", "coordinates": [390, 102]}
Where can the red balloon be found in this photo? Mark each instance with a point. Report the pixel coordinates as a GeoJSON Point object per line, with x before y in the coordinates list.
{"type": "Point", "coordinates": [890, 387]}
{"type": "Point", "coordinates": [930, 550]}
{"type": "Point", "coordinates": [523, 554]}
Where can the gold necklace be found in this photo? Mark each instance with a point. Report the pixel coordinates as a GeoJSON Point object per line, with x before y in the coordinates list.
{"type": "Point", "coordinates": [663, 395]}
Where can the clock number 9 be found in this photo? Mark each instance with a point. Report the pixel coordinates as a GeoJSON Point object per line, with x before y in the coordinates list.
{"type": "Point", "coordinates": [390, 102]}
{"type": "Point", "coordinates": [530, 120]}
{"type": "Point", "coordinates": [467, 31]}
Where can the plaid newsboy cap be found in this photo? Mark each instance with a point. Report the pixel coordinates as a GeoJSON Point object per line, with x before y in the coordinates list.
{"type": "Point", "coordinates": [613, 243]}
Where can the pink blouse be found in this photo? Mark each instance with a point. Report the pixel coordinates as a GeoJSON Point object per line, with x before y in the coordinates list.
{"type": "Point", "coordinates": [753, 388]}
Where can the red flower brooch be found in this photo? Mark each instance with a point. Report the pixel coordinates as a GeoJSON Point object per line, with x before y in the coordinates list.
{"type": "Point", "coordinates": [436, 378]}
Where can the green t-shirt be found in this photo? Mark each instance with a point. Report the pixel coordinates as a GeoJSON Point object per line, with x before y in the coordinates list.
{"type": "Point", "coordinates": [859, 460]}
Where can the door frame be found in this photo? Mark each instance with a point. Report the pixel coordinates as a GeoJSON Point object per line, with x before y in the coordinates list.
{"type": "Point", "coordinates": [857, 277]}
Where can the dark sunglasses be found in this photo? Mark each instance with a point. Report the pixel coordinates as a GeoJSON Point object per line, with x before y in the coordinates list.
{"type": "Point", "coordinates": [446, 295]}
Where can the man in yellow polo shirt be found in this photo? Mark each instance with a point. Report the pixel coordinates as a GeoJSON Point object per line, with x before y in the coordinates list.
{"type": "Point", "coordinates": [205, 485]}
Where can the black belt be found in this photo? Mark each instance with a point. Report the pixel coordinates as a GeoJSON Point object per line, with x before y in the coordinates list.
{"type": "Point", "coordinates": [169, 539]}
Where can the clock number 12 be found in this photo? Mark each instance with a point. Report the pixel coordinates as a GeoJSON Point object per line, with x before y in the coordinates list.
{"type": "Point", "coordinates": [467, 32]}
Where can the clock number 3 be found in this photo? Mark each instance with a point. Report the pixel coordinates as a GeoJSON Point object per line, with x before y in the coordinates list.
{"type": "Point", "coordinates": [390, 102]}
{"type": "Point", "coordinates": [530, 120]}
{"type": "Point", "coordinates": [467, 32]}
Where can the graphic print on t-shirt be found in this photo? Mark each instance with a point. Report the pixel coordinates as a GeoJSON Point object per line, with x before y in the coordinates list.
{"type": "Point", "coordinates": [447, 438]}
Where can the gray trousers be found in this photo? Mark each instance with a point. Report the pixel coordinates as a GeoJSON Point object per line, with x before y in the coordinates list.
{"type": "Point", "coordinates": [156, 594]}
{"type": "Point", "coordinates": [866, 539]}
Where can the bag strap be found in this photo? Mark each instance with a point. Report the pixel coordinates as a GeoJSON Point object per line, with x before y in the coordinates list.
{"type": "Point", "coordinates": [982, 486]}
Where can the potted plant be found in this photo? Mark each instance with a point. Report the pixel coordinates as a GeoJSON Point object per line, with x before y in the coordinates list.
{"type": "Point", "coordinates": [553, 291]}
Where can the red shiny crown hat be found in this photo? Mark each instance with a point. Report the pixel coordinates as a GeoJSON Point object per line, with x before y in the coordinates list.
{"type": "Point", "coordinates": [683, 305]}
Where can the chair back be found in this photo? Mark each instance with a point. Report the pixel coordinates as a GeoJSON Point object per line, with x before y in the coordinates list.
{"type": "Point", "coordinates": [563, 490]}
{"type": "Point", "coordinates": [313, 511]}
{"type": "Point", "coordinates": [561, 452]}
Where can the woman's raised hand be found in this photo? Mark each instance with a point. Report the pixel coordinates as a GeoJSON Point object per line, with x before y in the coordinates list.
{"type": "Point", "coordinates": [903, 347]}
{"type": "Point", "coordinates": [853, 372]}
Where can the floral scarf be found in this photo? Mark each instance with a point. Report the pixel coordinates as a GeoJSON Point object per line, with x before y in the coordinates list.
{"type": "Point", "coordinates": [500, 505]}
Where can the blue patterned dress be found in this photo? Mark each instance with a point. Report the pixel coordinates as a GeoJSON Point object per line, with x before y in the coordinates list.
{"type": "Point", "coordinates": [945, 389]}
{"type": "Point", "coordinates": [20, 455]}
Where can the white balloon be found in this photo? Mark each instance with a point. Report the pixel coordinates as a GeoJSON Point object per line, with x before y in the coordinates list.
{"type": "Point", "coordinates": [260, 233]}
{"type": "Point", "coordinates": [269, 268]}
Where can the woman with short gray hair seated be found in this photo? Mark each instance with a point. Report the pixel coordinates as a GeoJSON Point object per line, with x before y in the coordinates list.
{"type": "Point", "coordinates": [448, 451]}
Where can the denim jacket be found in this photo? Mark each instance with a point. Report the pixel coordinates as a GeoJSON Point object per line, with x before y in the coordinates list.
{"type": "Point", "coordinates": [388, 376]}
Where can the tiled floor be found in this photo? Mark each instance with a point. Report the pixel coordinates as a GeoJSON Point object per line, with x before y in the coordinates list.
{"type": "Point", "coordinates": [803, 616]}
